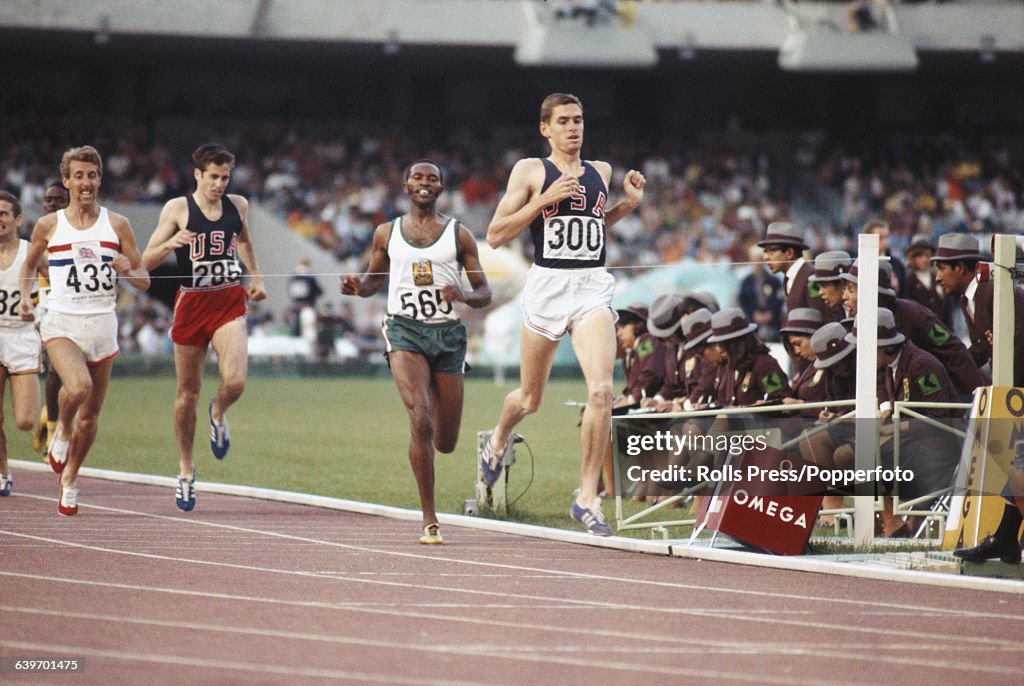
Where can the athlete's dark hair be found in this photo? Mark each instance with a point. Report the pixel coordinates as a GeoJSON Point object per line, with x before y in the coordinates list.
{"type": "Point", "coordinates": [9, 197]}
{"type": "Point", "coordinates": [408, 170]}
{"type": "Point", "coordinates": [553, 101]}
{"type": "Point", "coordinates": [212, 153]}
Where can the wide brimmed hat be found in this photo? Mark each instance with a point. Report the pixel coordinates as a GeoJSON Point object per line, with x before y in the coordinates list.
{"type": "Point", "coordinates": [919, 242]}
{"type": "Point", "coordinates": [697, 328]}
{"type": "Point", "coordinates": [783, 233]}
{"type": "Point", "coordinates": [954, 247]}
{"type": "Point", "coordinates": [830, 266]}
{"type": "Point", "coordinates": [884, 276]}
{"type": "Point", "coordinates": [633, 312]}
{"type": "Point", "coordinates": [830, 345]}
{"type": "Point", "coordinates": [701, 299]}
{"type": "Point", "coordinates": [729, 323]}
{"type": "Point", "coordinates": [887, 331]}
{"type": "Point", "coordinates": [803, 320]}
{"type": "Point", "coordinates": [666, 311]}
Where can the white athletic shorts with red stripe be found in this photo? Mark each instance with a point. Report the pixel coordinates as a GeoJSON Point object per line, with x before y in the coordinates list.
{"type": "Point", "coordinates": [94, 334]}
{"type": "Point", "coordinates": [555, 300]}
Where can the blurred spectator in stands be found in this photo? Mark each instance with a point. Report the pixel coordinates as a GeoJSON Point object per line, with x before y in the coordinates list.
{"type": "Point", "coordinates": [922, 287]}
{"type": "Point", "coordinates": [864, 15]}
{"type": "Point", "coordinates": [899, 271]}
{"type": "Point", "coordinates": [761, 297]}
{"type": "Point", "coordinates": [590, 12]}
{"type": "Point", "coordinates": [303, 286]}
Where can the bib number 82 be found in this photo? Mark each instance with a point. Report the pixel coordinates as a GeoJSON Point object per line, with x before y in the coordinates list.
{"type": "Point", "coordinates": [424, 304]}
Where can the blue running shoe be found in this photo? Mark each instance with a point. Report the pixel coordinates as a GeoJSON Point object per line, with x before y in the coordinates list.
{"type": "Point", "coordinates": [185, 495]}
{"type": "Point", "coordinates": [6, 483]}
{"type": "Point", "coordinates": [220, 436]}
{"type": "Point", "coordinates": [487, 455]}
{"type": "Point", "coordinates": [594, 521]}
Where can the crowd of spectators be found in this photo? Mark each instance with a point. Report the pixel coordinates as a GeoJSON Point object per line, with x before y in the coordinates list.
{"type": "Point", "coordinates": [707, 201]}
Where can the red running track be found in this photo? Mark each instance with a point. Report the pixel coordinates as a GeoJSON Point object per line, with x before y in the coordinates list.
{"type": "Point", "coordinates": [244, 591]}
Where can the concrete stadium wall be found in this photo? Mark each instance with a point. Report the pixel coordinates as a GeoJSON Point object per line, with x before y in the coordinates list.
{"type": "Point", "coordinates": [952, 26]}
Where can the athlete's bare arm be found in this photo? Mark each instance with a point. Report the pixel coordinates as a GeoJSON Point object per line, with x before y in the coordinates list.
{"type": "Point", "coordinates": [632, 185]}
{"type": "Point", "coordinates": [170, 233]}
{"type": "Point", "coordinates": [480, 296]}
{"type": "Point", "coordinates": [371, 282]}
{"type": "Point", "coordinates": [256, 290]}
{"type": "Point", "coordinates": [128, 264]}
{"type": "Point", "coordinates": [41, 234]}
{"type": "Point", "coordinates": [523, 200]}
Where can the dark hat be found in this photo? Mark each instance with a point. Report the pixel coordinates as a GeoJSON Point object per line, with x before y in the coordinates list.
{"type": "Point", "coordinates": [729, 323]}
{"type": "Point", "coordinates": [829, 266]}
{"type": "Point", "coordinates": [830, 345]}
{"type": "Point", "coordinates": [783, 233]}
{"type": "Point", "coordinates": [701, 299]}
{"type": "Point", "coordinates": [804, 320]}
{"type": "Point", "coordinates": [918, 243]}
{"type": "Point", "coordinates": [635, 312]}
{"type": "Point", "coordinates": [697, 328]}
{"type": "Point", "coordinates": [958, 246]}
{"type": "Point", "coordinates": [887, 332]}
{"type": "Point", "coordinates": [666, 310]}
{"type": "Point", "coordinates": [884, 276]}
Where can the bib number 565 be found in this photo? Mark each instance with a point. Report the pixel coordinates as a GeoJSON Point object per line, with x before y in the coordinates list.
{"type": "Point", "coordinates": [425, 303]}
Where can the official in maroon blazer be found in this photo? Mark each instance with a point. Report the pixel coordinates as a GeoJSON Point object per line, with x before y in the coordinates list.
{"type": "Point", "coordinates": [956, 263]}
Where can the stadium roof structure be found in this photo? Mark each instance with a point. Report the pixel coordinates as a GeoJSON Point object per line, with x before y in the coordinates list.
{"type": "Point", "coordinates": [648, 31]}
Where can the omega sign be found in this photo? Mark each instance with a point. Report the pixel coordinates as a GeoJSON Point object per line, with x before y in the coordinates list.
{"type": "Point", "coordinates": [771, 508]}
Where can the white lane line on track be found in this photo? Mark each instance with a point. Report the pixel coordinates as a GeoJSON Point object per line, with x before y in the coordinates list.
{"type": "Point", "coordinates": [522, 652]}
{"type": "Point", "coordinates": [185, 661]}
{"type": "Point", "coordinates": [1011, 616]}
{"type": "Point", "coordinates": [1001, 645]}
{"type": "Point", "coordinates": [870, 654]}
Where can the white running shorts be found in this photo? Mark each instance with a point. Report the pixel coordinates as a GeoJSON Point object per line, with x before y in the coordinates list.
{"type": "Point", "coordinates": [20, 349]}
{"type": "Point", "coordinates": [555, 300]}
{"type": "Point", "coordinates": [94, 334]}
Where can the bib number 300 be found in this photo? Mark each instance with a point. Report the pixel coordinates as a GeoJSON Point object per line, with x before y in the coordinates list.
{"type": "Point", "coordinates": [425, 304]}
{"type": "Point", "coordinates": [573, 238]}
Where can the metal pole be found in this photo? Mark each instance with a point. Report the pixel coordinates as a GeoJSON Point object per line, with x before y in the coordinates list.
{"type": "Point", "coordinates": [1004, 258]}
{"type": "Point", "coordinates": [867, 389]}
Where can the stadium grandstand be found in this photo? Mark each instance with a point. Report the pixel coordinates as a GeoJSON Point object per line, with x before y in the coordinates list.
{"type": "Point", "coordinates": [867, 133]}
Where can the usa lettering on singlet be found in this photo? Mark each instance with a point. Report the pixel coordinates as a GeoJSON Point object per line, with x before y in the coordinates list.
{"type": "Point", "coordinates": [571, 234]}
{"type": "Point", "coordinates": [10, 291]}
{"type": "Point", "coordinates": [210, 261]}
{"type": "Point", "coordinates": [82, 278]}
{"type": "Point", "coordinates": [419, 273]}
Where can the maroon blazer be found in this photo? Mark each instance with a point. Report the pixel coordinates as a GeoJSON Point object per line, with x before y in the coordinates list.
{"type": "Point", "coordinates": [931, 297]}
{"type": "Point", "coordinates": [980, 328]}
{"type": "Point", "coordinates": [921, 326]}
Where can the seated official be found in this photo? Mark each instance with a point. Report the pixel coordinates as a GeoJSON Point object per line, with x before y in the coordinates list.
{"type": "Point", "coordinates": [806, 386]}
{"type": "Point", "coordinates": [908, 373]}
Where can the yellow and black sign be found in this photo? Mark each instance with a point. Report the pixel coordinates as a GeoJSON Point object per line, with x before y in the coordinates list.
{"type": "Point", "coordinates": [996, 426]}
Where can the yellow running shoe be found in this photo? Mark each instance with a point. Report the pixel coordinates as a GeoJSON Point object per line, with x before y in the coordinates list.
{"type": "Point", "coordinates": [431, 535]}
{"type": "Point", "coordinates": [39, 434]}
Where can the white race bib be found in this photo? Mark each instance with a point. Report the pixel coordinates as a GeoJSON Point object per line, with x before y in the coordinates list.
{"type": "Point", "coordinates": [215, 273]}
{"type": "Point", "coordinates": [571, 237]}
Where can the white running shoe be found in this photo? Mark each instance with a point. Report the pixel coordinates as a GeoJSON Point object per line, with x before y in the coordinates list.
{"type": "Point", "coordinates": [57, 455]}
{"type": "Point", "coordinates": [68, 504]}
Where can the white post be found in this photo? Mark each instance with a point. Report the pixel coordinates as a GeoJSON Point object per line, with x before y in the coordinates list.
{"type": "Point", "coordinates": [1004, 258]}
{"type": "Point", "coordinates": [867, 389]}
